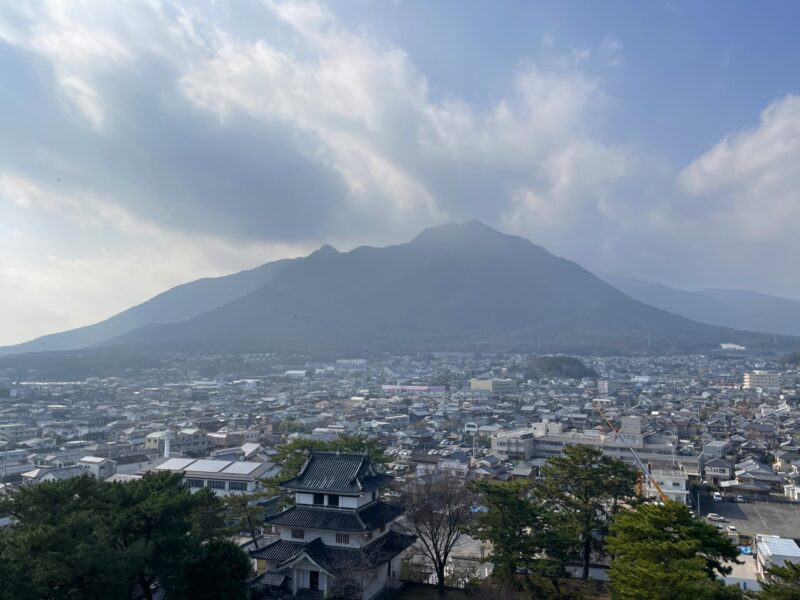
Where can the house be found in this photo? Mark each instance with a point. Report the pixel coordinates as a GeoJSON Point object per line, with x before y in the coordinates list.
{"type": "Point", "coordinates": [338, 535]}
{"type": "Point", "coordinates": [100, 468]}
{"type": "Point", "coordinates": [51, 474]}
{"type": "Point", "coordinates": [717, 470]}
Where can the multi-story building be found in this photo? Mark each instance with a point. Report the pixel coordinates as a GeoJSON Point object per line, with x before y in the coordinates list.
{"type": "Point", "coordinates": [190, 441]}
{"type": "Point", "coordinates": [761, 379]}
{"type": "Point", "coordinates": [493, 386]}
{"type": "Point", "coordinates": [606, 387]}
{"type": "Point", "coordinates": [543, 440]}
{"type": "Point", "coordinates": [338, 535]}
{"type": "Point", "coordinates": [718, 470]}
{"type": "Point", "coordinates": [98, 467]}
{"type": "Point", "coordinates": [13, 433]}
{"type": "Point", "coordinates": [673, 482]}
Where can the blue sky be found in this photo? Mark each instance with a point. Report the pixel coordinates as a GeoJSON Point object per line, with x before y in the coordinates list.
{"type": "Point", "coordinates": [151, 143]}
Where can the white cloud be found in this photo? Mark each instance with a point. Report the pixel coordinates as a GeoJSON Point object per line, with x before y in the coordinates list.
{"type": "Point", "coordinates": [370, 112]}
{"type": "Point", "coordinates": [747, 185]}
{"type": "Point", "coordinates": [208, 150]}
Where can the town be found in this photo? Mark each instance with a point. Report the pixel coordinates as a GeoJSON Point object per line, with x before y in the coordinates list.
{"type": "Point", "coordinates": [719, 433]}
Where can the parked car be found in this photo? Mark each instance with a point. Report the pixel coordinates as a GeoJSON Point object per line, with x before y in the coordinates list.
{"type": "Point", "coordinates": [731, 529]}
{"type": "Point", "coordinates": [717, 497]}
{"type": "Point", "coordinates": [740, 498]}
{"type": "Point", "coordinates": [714, 517]}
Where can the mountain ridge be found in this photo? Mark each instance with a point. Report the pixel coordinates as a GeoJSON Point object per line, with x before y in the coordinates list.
{"type": "Point", "coordinates": [452, 286]}
{"type": "Point", "coordinates": [736, 308]}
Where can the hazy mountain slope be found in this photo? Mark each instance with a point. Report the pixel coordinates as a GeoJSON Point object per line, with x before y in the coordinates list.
{"type": "Point", "coordinates": [454, 286]}
{"type": "Point", "coordinates": [176, 304]}
{"type": "Point", "coordinates": [739, 309]}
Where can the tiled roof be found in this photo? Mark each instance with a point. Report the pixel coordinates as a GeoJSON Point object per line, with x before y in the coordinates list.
{"type": "Point", "coordinates": [278, 551]}
{"type": "Point", "coordinates": [335, 558]}
{"type": "Point", "coordinates": [272, 579]}
{"type": "Point", "coordinates": [337, 473]}
{"type": "Point", "coordinates": [313, 517]}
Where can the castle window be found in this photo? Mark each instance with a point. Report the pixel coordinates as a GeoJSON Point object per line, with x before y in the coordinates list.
{"type": "Point", "coordinates": [298, 534]}
{"type": "Point", "coordinates": [333, 500]}
{"type": "Point", "coordinates": [342, 538]}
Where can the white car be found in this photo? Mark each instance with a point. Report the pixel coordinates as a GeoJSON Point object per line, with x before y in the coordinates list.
{"type": "Point", "coordinates": [717, 497]}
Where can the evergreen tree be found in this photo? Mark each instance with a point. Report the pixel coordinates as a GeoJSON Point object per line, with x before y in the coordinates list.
{"type": "Point", "coordinates": [84, 539]}
{"type": "Point", "coordinates": [662, 552]}
{"type": "Point", "coordinates": [585, 487]}
{"type": "Point", "coordinates": [525, 535]}
{"type": "Point", "coordinates": [781, 583]}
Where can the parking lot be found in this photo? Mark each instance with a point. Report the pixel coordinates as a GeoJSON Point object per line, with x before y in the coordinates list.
{"type": "Point", "coordinates": [757, 517]}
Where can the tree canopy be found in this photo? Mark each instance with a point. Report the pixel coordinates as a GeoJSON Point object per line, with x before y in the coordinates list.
{"type": "Point", "coordinates": [524, 534]}
{"type": "Point", "coordinates": [585, 487]}
{"type": "Point", "coordinates": [661, 551]}
{"type": "Point", "coordinates": [81, 538]}
{"type": "Point", "coordinates": [782, 582]}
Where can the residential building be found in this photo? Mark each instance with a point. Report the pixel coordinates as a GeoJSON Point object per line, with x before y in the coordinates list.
{"type": "Point", "coordinates": [190, 441]}
{"type": "Point", "coordinates": [673, 483]}
{"type": "Point", "coordinates": [761, 379]}
{"type": "Point", "coordinates": [98, 467]}
{"type": "Point", "coordinates": [493, 386]}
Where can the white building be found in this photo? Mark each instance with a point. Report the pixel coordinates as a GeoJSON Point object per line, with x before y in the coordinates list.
{"type": "Point", "coordinates": [773, 550]}
{"type": "Point", "coordinates": [493, 386]}
{"type": "Point", "coordinates": [98, 467]}
{"type": "Point", "coordinates": [762, 379]}
{"type": "Point", "coordinates": [545, 439]}
{"type": "Point", "coordinates": [673, 482]}
{"type": "Point", "coordinates": [223, 477]}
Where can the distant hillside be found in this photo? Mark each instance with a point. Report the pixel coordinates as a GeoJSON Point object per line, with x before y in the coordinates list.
{"type": "Point", "coordinates": [739, 309]}
{"type": "Point", "coordinates": [177, 304]}
{"type": "Point", "coordinates": [452, 287]}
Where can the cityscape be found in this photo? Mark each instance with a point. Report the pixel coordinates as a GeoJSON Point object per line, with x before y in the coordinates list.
{"type": "Point", "coordinates": [718, 433]}
{"type": "Point", "coordinates": [410, 300]}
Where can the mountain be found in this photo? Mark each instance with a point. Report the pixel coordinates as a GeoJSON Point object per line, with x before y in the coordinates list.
{"type": "Point", "coordinates": [452, 287]}
{"type": "Point", "coordinates": [177, 304]}
{"type": "Point", "coordinates": [739, 309]}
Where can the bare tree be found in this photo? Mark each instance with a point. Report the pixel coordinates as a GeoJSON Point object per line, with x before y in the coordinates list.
{"type": "Point", "coordinates": [438, 507]}
{"type": "Point", "coordinates": [355, 570]}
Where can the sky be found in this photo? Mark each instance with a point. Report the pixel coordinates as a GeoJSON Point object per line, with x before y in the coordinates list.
{"type": "Point", "coordinates": [147, 143]}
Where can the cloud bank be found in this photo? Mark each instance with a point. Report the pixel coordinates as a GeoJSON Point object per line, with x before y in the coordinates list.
{"type": "Point", "coordinates": [153, 144]}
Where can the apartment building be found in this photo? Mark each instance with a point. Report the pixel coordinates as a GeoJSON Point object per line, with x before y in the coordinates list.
{"type": "Point", "coordinates": [762, 379]}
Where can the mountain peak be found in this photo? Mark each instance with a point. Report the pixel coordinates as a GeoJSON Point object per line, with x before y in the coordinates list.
{"type": "Point", "coordinates": [325, 250]}
{"type": "Point", "coordinates": [454, 231]}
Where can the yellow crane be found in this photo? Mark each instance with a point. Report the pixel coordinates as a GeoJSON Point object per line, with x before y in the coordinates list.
{"type": "Point", "coordinates": [642, 466]}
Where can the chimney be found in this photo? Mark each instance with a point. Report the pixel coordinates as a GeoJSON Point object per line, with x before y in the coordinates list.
{"type": "Point", "coordinates": [167, 435]}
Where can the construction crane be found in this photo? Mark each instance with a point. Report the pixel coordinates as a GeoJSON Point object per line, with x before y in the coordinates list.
{"type": "Point", "coordinates": [643, 467]}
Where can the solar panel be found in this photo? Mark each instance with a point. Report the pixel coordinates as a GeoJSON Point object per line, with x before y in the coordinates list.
{"type": "Point", "coordinates": [209, 466]}
{"type": "Point", "coordinates": [242, 468]}
{"type": "Point", "coordinates": [175, 464]}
